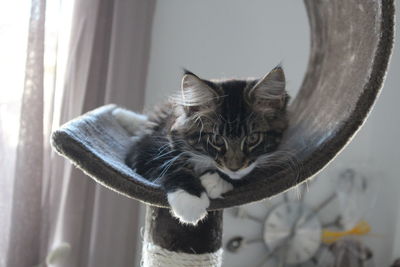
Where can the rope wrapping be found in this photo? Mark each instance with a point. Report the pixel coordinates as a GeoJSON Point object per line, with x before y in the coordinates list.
{"type": "Point", "coordinates": [156, 256]}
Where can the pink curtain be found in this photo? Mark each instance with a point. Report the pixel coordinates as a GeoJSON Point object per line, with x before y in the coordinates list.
{"type": "Point", "coordinates": [80, 55]}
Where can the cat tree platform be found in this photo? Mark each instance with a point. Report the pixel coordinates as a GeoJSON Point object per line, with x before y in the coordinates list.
{"type": "Point", "coordinates": [351, 43]}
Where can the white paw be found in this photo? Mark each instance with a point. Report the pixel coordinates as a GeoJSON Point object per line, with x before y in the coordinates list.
{"type": "Point", "coordinates": [133, 122]}
{"type": "Point", "coordinates": [214, 185]}
{"type": "Point", "coordinates": [188, 208]}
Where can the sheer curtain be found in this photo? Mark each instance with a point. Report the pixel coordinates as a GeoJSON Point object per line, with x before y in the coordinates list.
{"type": "Point", "coordinates": [80, 55]}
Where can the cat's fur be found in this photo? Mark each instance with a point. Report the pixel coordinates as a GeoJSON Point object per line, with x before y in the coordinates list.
{"type": "Point", "coordinates": [209, 136]}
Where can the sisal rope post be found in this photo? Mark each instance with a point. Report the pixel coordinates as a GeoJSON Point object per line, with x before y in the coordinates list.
{"type": "Point", "coordinates": [154, 255]}
{"type": "Point", "coordinates": [168, 242]}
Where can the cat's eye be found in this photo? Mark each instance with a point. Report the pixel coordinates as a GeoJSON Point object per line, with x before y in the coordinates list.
{"type": "Point", "coordinates": [253, 140]}
{"type": "Point", "coordinates": [217, 141]}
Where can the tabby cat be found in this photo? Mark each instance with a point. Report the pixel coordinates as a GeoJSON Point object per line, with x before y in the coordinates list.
{"type": "Point", "coordinates": [213, 133]}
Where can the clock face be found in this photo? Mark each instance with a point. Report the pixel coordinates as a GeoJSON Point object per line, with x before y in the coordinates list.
{"type": "Point", "coordinates": [293, 229]}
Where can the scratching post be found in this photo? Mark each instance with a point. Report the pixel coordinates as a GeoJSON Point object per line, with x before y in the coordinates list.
{"type": "Point", "coordinates": [167, 242]}
{"type": "Point", "coordinates": [351, 43]}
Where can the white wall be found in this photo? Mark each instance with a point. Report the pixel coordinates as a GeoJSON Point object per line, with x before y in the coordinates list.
{"type": "Point", "coordinates": [225, 38]}
{"type": "Point", "coordinates": [233, 38]}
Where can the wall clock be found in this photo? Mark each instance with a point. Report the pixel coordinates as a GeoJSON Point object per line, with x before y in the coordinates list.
{"type": "Point", "coordinates": [292, 230]}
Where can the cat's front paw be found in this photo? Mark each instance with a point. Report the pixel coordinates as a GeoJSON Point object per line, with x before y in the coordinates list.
{"type": "Point", "coordinates": [214, 185]}
{"type": "Point", "coordinates": [188, 208]}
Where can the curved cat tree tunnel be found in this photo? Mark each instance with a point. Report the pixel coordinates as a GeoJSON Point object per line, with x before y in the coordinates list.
{"type": "Point", "coordinates": [351, 43]}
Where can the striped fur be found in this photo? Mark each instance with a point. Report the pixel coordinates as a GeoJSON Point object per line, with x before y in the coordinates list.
{"type": "Point", "coordinates": [223, 126]}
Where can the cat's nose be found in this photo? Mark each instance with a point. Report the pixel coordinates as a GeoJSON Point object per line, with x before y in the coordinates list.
{"type": "Point", "coordinates": [234, 160]}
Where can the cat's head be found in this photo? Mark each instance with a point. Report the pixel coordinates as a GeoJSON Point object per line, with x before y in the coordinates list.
{"type": "Point", "coordinates": [229, 124]}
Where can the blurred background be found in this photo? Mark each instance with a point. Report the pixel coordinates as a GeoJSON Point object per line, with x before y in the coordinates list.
{"type": "Point", "coordinates": [132, 53]}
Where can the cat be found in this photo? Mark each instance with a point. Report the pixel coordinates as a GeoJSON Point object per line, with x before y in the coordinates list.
{"type": "Point", "coordinates": [206, 138]}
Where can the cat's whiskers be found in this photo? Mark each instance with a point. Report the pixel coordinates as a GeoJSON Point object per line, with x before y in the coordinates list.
{"type": "Point", "coordinates": [281, 158]}
{"type": "Point", "coordinates": [163, 148]}
{"type": "Point", "coordinates": [160, 154]}
{"type": "Point", "coordinates": [167, 165]}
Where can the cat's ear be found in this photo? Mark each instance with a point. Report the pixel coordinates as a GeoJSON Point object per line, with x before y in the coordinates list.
{"type": "Point", "coordinates": [197, 94]}
{"type": "Point", "coordinates": [269, 92]}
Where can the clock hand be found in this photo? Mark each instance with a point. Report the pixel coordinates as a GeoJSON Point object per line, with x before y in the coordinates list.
{"type": "Point", "coordinates": [287, 239]}
{"type": "Point", "coordinates": [273, 251]}
{"type": "Point", "coordinates": [319, 207]}
{"type": "Point", "coordinates": [285, 242]}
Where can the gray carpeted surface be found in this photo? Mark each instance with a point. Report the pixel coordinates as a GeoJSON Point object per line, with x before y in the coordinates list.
{"type": "Point", "coordinates": [351, 46]}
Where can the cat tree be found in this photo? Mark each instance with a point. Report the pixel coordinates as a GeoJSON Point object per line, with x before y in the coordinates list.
{"type": "Point", "coordinates": [351, 43]}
